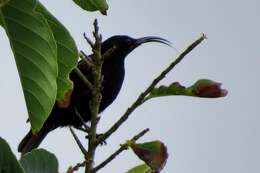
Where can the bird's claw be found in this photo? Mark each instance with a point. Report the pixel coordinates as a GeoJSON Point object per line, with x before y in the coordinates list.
{"type": "Point", "coordinates": [98, 137]}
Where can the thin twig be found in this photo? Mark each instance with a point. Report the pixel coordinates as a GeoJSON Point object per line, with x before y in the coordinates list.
{"type": "Point", "coordinates": [76, 168]}
{"type": "Point", "coordinates": [142, 96]}
{"type": "Point", "coordinates": [85, 56]}
{"type": "Point", "coordinates": [81, 147]}
{"type": "Point", "coordinates": [88, 40]}
{"type": "Point", "coordinates": [86, 127]}
{"type": "Point", "coordinates": [96, 34]}
{"type": "Point", "coordinates": [139, 135]}
{"type": "Point", "coordinates": [86, 59]}
{"type": "Point", "coordinates": [121, 149]}
{"type": "Point", "coordinates": [83, 78]}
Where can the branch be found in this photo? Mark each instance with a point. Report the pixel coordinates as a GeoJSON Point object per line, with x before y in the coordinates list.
{"type": "Point", "coordinates": [86, 128]}
{"type": "Point", "coordinates": [121, 149]}
{"type": "Point", "coordinates": [83, 78]}
{"type": "Point", "coordinates": [86, 59]}
{"type": "Point", "coordinates": [142, 96]}
{"type": "Point", "coordinates": [89, 41]}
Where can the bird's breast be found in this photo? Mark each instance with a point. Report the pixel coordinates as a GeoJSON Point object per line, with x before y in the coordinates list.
{"type": "Point", "coordinates": [113, 79]}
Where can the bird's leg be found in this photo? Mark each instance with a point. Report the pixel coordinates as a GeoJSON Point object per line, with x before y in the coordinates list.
{"type": "Point", "coordinates": [85, 127]}
{"type": "Point", "coordinates": [98, 136]}
{"type": "Point", "coordinates": [103, 142]}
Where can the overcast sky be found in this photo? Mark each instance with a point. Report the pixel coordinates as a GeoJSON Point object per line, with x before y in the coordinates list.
{"type": "Point", "coordinates": [202, 135]}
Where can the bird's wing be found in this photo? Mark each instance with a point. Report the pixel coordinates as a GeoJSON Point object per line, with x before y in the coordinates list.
{"type": "Point", "coordinates": [80, 88]}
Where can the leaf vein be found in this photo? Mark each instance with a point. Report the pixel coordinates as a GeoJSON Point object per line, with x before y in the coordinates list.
{"type": "Point", "coordinates": [36, 83]}
{"type": "Point", "coordinates": [43, 74]}
{"type": "Point", "coordinates": [32, 31]}
{"type": "Point", "coordinates": [35, 50]}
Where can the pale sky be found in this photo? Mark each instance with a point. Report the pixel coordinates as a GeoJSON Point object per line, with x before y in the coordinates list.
{"type": "Point", "coordinates": [202, 135]}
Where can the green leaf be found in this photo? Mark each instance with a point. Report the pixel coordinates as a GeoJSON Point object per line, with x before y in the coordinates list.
{"type": "Point", "coordinates": [174, 89]}
{"type": "Point", "coordinates": [67, 56]}
{"type": "Point", "coordinates": [93, 5]}
{"type": "Point", "coordinates": [153, 153]}
{"type": "Point", "coordinates": [140, 169]}
{"type": "Point", "coordinates": [3, 2]}
{"type": "Point", "coordinates": [202, 88]}
{"type": "Point", "coordinates": [39, 161]}
{"type": "Point", "coordinates": [8, 161]}
{"type": "Point", "coordinates": [35, 52]}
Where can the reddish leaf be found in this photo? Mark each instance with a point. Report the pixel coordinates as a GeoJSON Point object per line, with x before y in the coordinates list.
{"type": "Point", "coordinates": [154, 154]}
{"type": "Point", "coordinates": [208, 88]}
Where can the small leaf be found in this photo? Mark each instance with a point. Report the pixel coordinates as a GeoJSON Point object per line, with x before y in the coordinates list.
{"type": "Point", "coordinates": [93, 5]}
{"type": "Point", "coordinates": [154, 154]}
{"type": "Point", "coordinates": [67, 56]}
{"type": "Point", "coordinates": [8, 162]}
{"type": "Point", "coordinates": [39, 161]}
{"type": "Point", "coordinates": [202, 88]}
{"type": "Point", "coordinates": [35, 51]}
{"type": "Point", "coordinates": [140, 169]}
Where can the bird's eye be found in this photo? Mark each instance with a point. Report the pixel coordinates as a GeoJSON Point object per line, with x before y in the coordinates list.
{"type": "Point", "coordinates": [128, 41]}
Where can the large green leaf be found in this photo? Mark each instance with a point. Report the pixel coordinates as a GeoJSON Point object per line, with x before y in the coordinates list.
{"type": "Point", "coordinates": [36, 161]}
{"type": "Point", "coordinates": [67, 56]}
{"type": "Point", "coordinates": [140, 169]}
{"type": "Point", "coordinates": [39, 161]}
{"type": "Point", "coordinates": [8, 162]}
{"type": "Point", "coordinates": [93, 5]}
{"type": "Point", "coordinates": [35, 52]}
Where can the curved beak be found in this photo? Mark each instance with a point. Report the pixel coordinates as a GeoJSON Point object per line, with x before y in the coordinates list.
{"type": "Point", "coordinates": [152, 39]}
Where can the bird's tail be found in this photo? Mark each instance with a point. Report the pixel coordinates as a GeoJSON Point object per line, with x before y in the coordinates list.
{"type": "Point", "coordinates": [31, 141]}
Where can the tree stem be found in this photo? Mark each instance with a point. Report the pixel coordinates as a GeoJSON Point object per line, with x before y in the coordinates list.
{"type": "Point", "coordinates": [96, 99]}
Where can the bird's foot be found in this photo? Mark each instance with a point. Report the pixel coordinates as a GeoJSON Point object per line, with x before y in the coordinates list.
{"type": "Point", "coordinates": [98, 137]}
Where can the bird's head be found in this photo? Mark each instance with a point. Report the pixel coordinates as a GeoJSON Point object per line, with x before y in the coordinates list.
{"type": "Point", "coordinates": [123, 45]}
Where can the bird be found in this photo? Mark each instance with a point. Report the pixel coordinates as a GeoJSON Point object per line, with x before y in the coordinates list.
{"type": "Point", "coordinates": [113, 71]}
